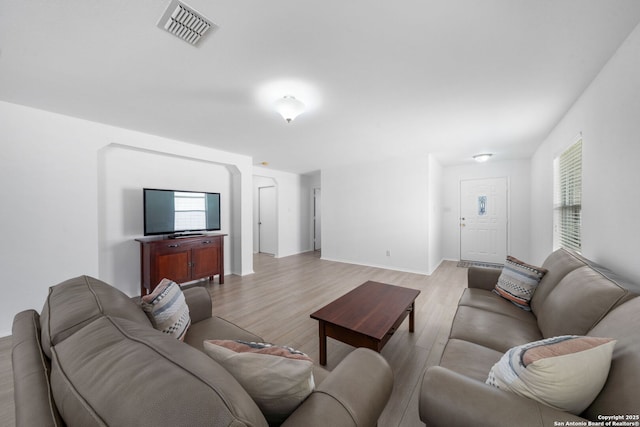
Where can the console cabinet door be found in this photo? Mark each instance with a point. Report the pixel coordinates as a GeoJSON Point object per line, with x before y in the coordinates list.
{"type": "Point", "coordinates": [173, 265]}
{"type": "Point", "coordinates": [205, 259]}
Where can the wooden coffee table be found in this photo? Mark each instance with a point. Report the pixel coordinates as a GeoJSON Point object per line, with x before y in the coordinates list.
{"type": "Point", "coordinates": [366, 317]}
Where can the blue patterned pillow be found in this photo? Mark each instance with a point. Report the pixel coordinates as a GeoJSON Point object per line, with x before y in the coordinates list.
{"type": "Point", "coordinates": [518, 281]}
{"type": "Point", "coordinates": [167, 309]}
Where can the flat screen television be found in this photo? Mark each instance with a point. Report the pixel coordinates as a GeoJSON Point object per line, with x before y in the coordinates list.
{"type": "Point", "coordinates": [180, 212]}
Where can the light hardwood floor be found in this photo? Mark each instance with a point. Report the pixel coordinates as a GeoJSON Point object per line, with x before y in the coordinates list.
{"type": "Point", "coordinates": [276, 301]}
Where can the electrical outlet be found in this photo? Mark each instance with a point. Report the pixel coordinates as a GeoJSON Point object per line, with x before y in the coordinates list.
{"type": "Point", "coordinates": [388, 252]}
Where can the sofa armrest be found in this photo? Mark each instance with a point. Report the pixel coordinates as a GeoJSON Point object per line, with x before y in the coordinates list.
{"type": "Point", "coordinates": [199, 302]}
{"type": "Point", "coordinates": [450, 399]}
{"type": "Point", "coordinates": [483, 278]}
{"type": "Point", "coordinates": [34, 404]}
{"type": "Point", "coordinates": [353, 394]}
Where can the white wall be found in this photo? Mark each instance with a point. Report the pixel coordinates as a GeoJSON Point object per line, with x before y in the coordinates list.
{"type": "Point", "coordinates": [48, 206]}
{"type": "Point", "coordinates": [293, 192]}
{"type": "Point", "coordinates": [369, 209]}
{"type": "Point", "coordinates": [124, 172]}
{"type": "Point", "coordinates": [608, 115]}
{"type": "Point", "coordinates": [518, 173]}
{"type": "Point", "coordinates": [435, 184]}
{"type": "Point", "coordinates": [315, 179]}
{"type": "Point", "coordinates": [50, 173]}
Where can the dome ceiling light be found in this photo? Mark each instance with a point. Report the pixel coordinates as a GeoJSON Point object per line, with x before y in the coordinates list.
{"type": "Point", "coordinates": [289, 107]}
{"type": "Point", "coordinates": [481, 158]}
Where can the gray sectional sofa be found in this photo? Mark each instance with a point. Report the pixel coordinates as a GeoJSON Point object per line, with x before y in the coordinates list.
{"type": "Point", "coordinates": [92, 358]}
{"type": "Point", "coordinates": [575, 297]}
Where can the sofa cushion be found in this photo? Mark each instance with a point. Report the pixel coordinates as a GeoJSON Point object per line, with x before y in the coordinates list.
{"type": "Point", "coordinates": [167, 309]}
{"type": "Point", "coordinates": [578, 303]}
{"type": "Point", "coordinates": [469, 359]}
{"type": "Point", "coordinates": [116, 372]}
{"type": "Point", "coordinates": [518, 282]}
{"type": "Point", "coordinates": [566, 373]}
{"type": "Point", "coordinates": [620, 393]}
{"type": "Point", "coordinates": [277, 378]}
{"type": "Point", "coordinates": [77, 302]}
{"type": "Point", "coordinates": [216, 328]}
{"type": "Point", "coordinates": [496, 331]}
{"type": "Point", "coordinates": [489, 301]}
{"type": "Point", "coordinates": [558, 264]}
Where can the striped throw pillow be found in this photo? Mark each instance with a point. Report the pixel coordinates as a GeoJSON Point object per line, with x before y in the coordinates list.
{"type": "Point", "coordinates": [167, 309]}
{"type": "Point", "coordinates": [278, 378]}
{"type": "Point", "coordinates": [518, 281]}
{"type": "Point", "coordinates": [566, 372]}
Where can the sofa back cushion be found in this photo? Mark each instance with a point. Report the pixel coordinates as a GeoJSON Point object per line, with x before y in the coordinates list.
{"type": "Point", "coordinates": [576, 304]}
{"type": "Point", "coordinates": [620, 392]}
{"type": "Point", "coordinates": [116, 372]}
{"type": "Point", "coordinates": [76, 302]}
{"type": "Point", "coordinates": [558, 265]}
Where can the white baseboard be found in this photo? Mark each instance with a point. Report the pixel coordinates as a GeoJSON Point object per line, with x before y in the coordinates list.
{"type": "Point", "coordinates": [385, 267]}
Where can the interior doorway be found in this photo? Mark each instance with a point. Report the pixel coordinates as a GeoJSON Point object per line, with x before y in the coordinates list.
{"type": "Point", "coordinates": [317, 220]}
{"type": "Point", "coordinates": [267, 217]}
{"type": "Point", "coordinates": [483, 220]}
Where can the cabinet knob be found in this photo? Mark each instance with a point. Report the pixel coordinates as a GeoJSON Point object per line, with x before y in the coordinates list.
{"type": "Point", "coordinates": [177, 245]}
{"type": "Point", "coordinates": [206, 242]}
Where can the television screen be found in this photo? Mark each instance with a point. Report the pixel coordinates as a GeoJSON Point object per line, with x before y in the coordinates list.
{"type": "Point", "coordinates": [175, 212]}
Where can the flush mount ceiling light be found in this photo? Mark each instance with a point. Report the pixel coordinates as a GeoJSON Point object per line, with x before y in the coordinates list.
{"type": "Point", "coordinates": [269, 95]}
{"type": "Point", "coordinates": [289, 107]}
{"type": "Point", "coordinates": [481, 158]}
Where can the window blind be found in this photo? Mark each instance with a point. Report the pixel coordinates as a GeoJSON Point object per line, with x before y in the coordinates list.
{"type": "Point", "coordinates": [190, 211]}
{"type": "Point", "coordinates": [568, 198]}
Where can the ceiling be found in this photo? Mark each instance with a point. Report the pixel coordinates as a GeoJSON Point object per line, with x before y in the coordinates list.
{"type": "Point", "coordinates": [406, 78]}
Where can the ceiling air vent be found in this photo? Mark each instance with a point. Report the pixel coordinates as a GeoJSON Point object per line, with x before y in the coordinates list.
{"type": "Point", "coordinates": [184, 22]}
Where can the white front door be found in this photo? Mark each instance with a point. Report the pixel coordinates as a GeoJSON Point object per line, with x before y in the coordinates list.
{"type": "Point", "coordinates": [483, 220]}
{"type": "Point", "coordinates": [267, 217]}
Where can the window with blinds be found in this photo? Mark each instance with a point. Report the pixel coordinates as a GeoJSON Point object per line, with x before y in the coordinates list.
{"type": "Point", "coordinates": [568, 198]}
{"type": "Point", "coordinates": [190, 211]}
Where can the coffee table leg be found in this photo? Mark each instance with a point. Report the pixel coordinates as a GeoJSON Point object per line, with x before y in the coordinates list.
{"type": "Point", "coordinates": [323, 343]}
{"type": "Point", "coordinates": [412, 317]}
